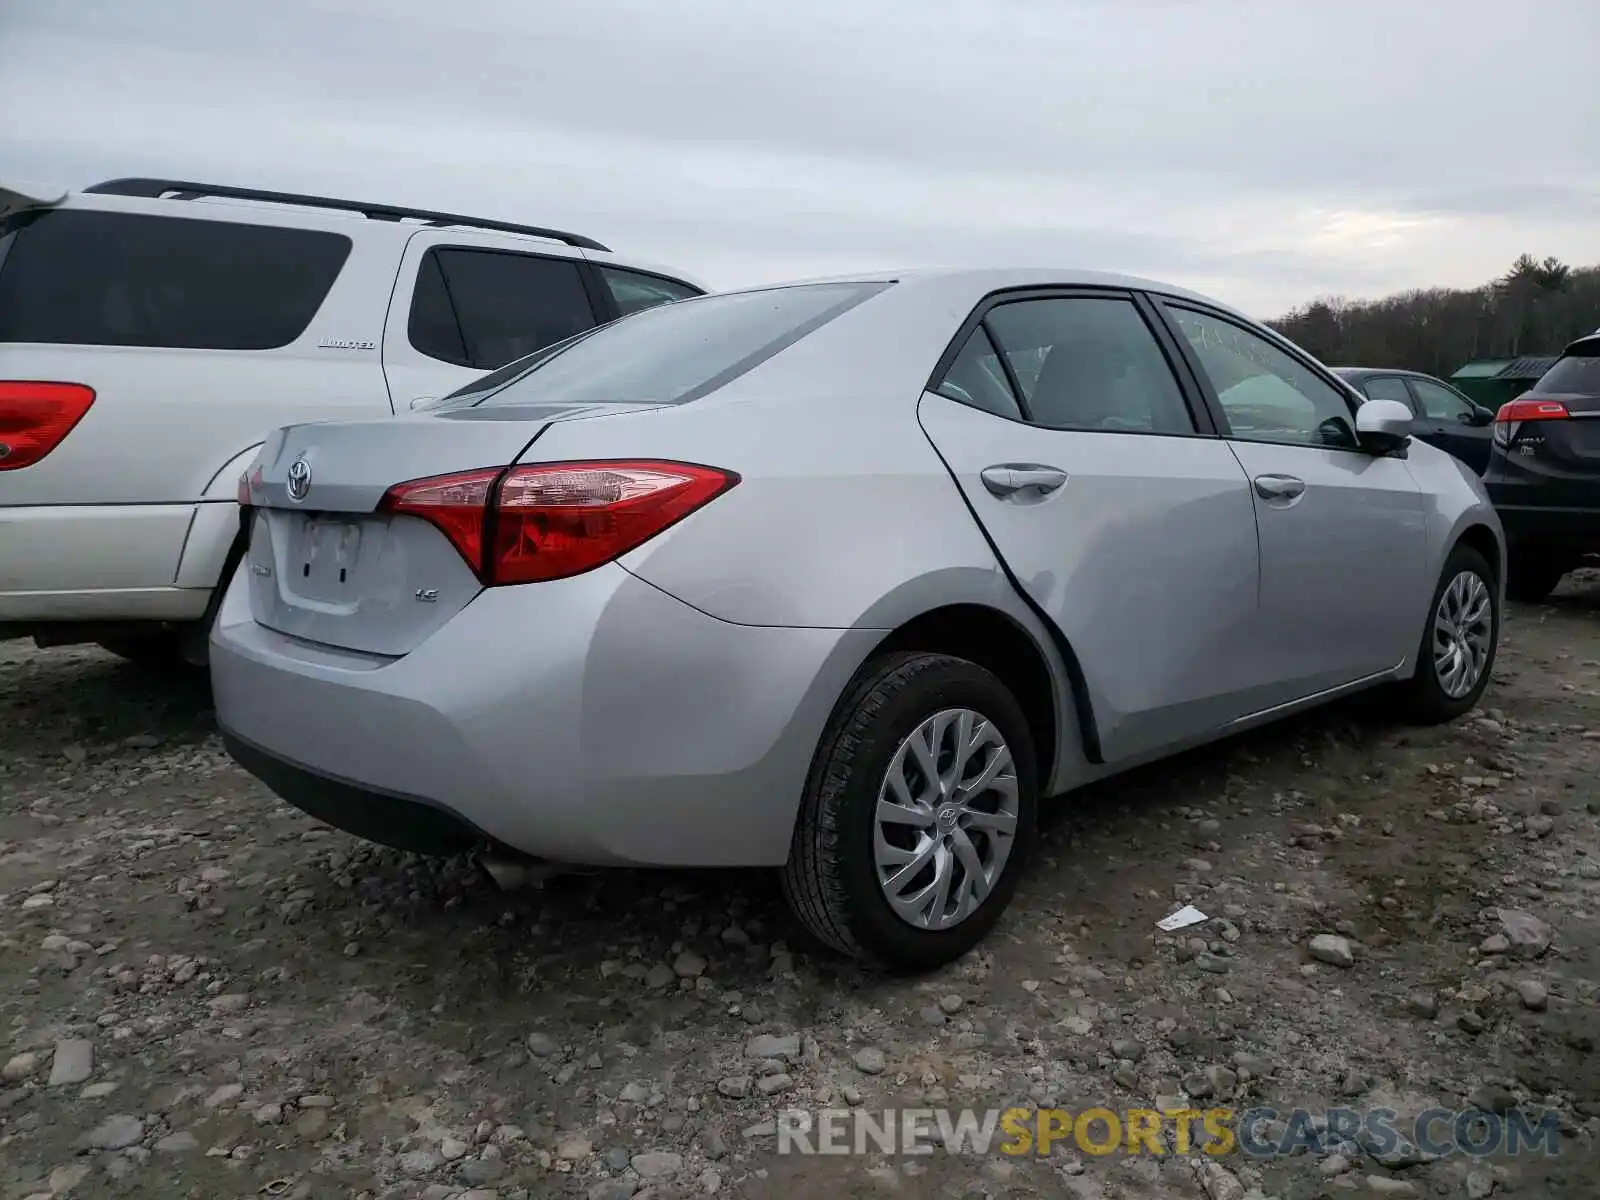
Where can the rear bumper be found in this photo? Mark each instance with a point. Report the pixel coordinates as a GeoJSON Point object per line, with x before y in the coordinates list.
{"type": "Point", "coordinates": [594, 720]}
{"type": "Point", "coordinates": [1574, 529]}
{"type": "Point", "coordinates": [405, 822]}
{"type": "Point", "coordinates": [96, 563]}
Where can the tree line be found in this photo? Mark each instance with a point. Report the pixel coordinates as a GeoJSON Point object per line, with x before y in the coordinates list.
{"type": "Point", "coordinates": [1537, 307]}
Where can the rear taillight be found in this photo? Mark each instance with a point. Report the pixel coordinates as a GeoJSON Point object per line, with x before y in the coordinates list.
{"type": "Point", "coordinates": [36, 417]}
{"type": "Point", "coordinates": [249, 484]}
{"type": "Point", "coordinates": [1532, 410]}
{"type": "Point", "coordinates": [536, 523]}
{"type": "Point", "coordinates": [1514, 413]}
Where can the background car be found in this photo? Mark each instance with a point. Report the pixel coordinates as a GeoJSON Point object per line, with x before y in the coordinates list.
{"type": "Point", "coordinates": [1544, 472]}
{"type": "Point", "coordinates": [813, 577]}
{"type": "Point", "coordinates": [153, 331]}
{"type": "Point", "coordinates": [1441, 416]}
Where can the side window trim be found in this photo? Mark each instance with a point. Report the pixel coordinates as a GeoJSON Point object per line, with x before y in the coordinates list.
{"type": "Point", "coordinates": [601, 301]}
{"type": "Point", "coordinates": [1200, 414]}
{"type": "Point", "coordinates": [1012, 382]}
{"type": "Point", "coordinates": [431, 258]}
{"type": "Point", "coordinates": [1165, 305]}
{"type": "Point", "coordinates": [1174, 347]}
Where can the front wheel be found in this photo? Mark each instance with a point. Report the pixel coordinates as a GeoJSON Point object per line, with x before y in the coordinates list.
{"type": "Point", "coordinates": [1457, 653]}
{"type": "Point", "coordinates": [918, 813]}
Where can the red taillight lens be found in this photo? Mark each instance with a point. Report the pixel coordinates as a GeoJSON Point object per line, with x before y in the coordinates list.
{"type": "Point", "coordinates": [36, 417]}
{"type": "Point", "coordinates": [536, 523]}
{"type": "Point", "coordinates": [563, 519]}
{"type": "Point", "coordinates": [457, 504]}
{"type": "Point", "coordinates": [1512, 415]}
{"type": "Point", "coordinates": [1532, 410]}
{"type": "Point", "coordinates": [249, 482]}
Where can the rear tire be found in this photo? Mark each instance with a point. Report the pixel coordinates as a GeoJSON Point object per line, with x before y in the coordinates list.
{"type": "Point", "coordinates": [1466, 590]}
{"type": "Point", "coordinates": [183, 647]}
{"type": "Point", "coordinates": [833, 880]}
{"type": "Point", "coordinates": [1531, 577]}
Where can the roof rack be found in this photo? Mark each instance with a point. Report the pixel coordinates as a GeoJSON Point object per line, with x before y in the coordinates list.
{"type": "Point", "coordinates": [178, 189]}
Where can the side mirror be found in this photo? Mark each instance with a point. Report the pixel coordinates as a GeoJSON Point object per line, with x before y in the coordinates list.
{"type": "Point", "coordinates": [1383, 426]}
{"type": "Point", "coordinates": [1481, 416]}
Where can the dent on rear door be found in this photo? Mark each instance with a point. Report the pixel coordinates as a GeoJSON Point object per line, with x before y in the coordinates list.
{"type": "Point", "coordinates": [1146, 560]}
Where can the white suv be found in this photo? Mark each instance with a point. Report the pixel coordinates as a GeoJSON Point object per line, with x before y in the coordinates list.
{"type": "Point", "coordinates": [153, 332]}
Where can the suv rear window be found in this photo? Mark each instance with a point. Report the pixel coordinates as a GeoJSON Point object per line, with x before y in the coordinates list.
{"type": "Point", "coordinates": [670, 354]}
{"type": "Point", "coordinates": [1575, 373]}
{"type": "Point", "coordinates": [125, 279]}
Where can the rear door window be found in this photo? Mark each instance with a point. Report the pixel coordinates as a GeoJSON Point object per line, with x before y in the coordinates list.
{"type": "Point", "coordinates": [634, 290]}
{"type": "Point", "coordinates": [1089, 363]}
{"type": "Point", "coordinates": [484, 308]}
{"type": "Point", "coordinates": [128, 279]}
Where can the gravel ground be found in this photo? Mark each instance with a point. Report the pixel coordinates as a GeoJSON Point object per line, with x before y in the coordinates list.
{"type": "Point", "coordinates": [205, 994]}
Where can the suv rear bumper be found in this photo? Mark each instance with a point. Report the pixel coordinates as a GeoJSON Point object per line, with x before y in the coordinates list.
{"type": "Point", "coordinates": [1568, 529]}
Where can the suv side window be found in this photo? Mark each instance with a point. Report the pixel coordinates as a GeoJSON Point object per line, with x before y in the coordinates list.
{"type": "Point", "coordinates": [1439, 402]}
{"type": "Point", "coordinates": [502, 305]}
{"type": "Point", "coordinates": [634, 290]}
{"type": "Point", "coordinates": [1266, 394]}
{"type": "Point", "coordinates": [1089, 363]}
{"type": "Point", "coordinates": [88, 278]}
{"type": "Point", "coordinates": [433, 326]}
{"type": "Point", "coordinates": [1388, 387]}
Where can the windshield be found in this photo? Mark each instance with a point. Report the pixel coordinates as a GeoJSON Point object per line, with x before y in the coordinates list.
{"type": "Point", "coordinates": [671, 354]}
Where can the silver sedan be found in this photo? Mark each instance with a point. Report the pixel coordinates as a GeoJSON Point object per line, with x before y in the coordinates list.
{"type": "Point", "coordinates": [840, 578]}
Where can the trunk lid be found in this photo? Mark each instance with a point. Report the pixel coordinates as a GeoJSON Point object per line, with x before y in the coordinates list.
{"type": "Point", "coordinates": [326, 566]}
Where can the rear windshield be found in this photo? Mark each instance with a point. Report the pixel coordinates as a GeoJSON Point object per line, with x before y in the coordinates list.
{"type": "Point", "coordinates": [671, 354]}
{"type": "Point", "coordinates": [1576, 373]}
{"type": "Point", "coordinates": [125, 279]}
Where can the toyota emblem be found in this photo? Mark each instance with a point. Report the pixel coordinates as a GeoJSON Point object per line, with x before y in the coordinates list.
{"type": "Point", "coordinates": [299, 479]}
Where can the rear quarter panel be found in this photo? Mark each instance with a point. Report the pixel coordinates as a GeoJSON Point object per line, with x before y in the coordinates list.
{"type": "Point", "coordinates": [844, 517]}
{"type": "Point", "coordinates": [842, 504]}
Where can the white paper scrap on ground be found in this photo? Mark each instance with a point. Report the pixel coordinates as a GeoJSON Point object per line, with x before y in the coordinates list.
{"type": "Point", "coordinates": [1186, 916]}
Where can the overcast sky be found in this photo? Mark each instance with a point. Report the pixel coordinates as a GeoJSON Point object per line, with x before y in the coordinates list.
{"type": "Point", "coordinates": [1265, 151]}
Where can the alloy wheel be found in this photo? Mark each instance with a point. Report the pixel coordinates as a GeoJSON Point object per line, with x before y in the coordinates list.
{"type": "Point", "coordinates": [946, 819]}
{"type": "Point", "coordinates": [1463, 629]}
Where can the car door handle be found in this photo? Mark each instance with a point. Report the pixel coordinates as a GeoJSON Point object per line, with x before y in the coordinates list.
{"type": "Point", "coordinates": [1011, 479]}
{"type": "Point", "coordinates": [1279, 487]}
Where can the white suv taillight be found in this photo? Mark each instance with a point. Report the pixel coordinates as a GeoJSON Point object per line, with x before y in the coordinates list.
{"type": "Point", "coordinates": [36, 417]}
